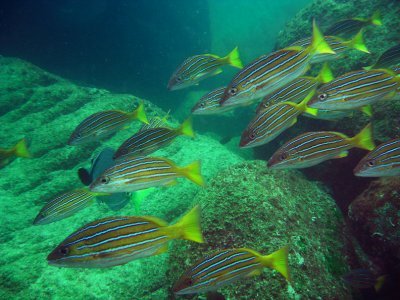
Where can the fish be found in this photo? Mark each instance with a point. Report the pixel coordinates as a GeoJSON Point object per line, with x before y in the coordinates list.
{"type": "Point", "coordinates": [209, 103]}
{"type": "Point", "coordinates": [384, 160]}
{"type": "Point", "coordinates": [353, 25]}
{"type": "Point", "coordinates": [227, 266]}
{"type": "Point", "coordinates": [270, 72]}
{"type": "Point", "coordinates": [150, 140]}
{"type": "Point", "coordinates": [105, 123]}
{"type": "Point", "coordinates": [387, 59]}
{"type": "Point", "coordinates": [364, 279]}
{"type": "Point", "coordinates": [296, 90]}
{"type": "Point", "coordinates": [114, 241]}
{"type": "Point", "coordinates": [312, 148]}
{"type": "Point", "coordinates": [137, 173]}
{"type": "Point", "coordinates": [100, 163]}
{"type": "Point", "coordinates": [65, 205]}
{"type": "Point", "coordinates": [20, 149]}
{"type": "Point", "coordinates": [273, 121]}
{"type": "Point", "coordinates": [199, 67]}
{"type": "Point", "coordinates": [337, 44]}
{"type": "Point", "coordinates": [356, 89]}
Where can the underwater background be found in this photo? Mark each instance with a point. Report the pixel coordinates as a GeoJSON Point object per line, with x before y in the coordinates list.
{"type": "Point", "coordinates": [62, 61]}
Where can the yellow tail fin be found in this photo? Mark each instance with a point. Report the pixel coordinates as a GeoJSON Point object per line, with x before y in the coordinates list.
{"type": "Point", "coordinates": [357, 42]}
{"type": "Point", "coordinates": [192, 172]}
{"type": "Point", "coordinates": [379, 283]}
{"type": "Point", "coordinates": [188, 227]}
{"type": "Point", "coordinates": [278, 261]}
{"type": "Point", "coordinates": [318, 43]}
{"type": "Point", "coordinates": [21, 149]}
{"type": "Point", "coordinates": [364, 139]}
{"type": "Point", "coordinates": [376, 18]}
{"type": "Point", "coordinates": [186, 128]}
{"type": "Point", "coordinates": [233, 58]}
{"type": "Point", "coordinates": [325, 74]}
{"type": "Point", "coordinates": [302, 106]}
{"type": "Point", "coordinates": [139, 114]}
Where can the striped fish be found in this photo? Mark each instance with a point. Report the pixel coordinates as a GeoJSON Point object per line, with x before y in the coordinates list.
{"type": "Point", "coordinates": [356, 89]}
{"type": "Point", "coordinates": [65, 205]}
{"type": "Point", "coordinates": [209, 103]}
{"type": "Point", "coordinates": [296, 90]}
{"type": "Point", "coordinates": [384, 160]}
{"type": "Point", "coordinates": [149, 140]}
{"type": "Point", "coordinates": [138, 173]}
{"type": "Point", "coordinates": [273, 121]}
{"type": "Point", "coordinates": [199, 67]}
{"type": "Point", "coordinates": [105, 123]}
{"type": "Point", "coordinates": [19, 150]}
{"type": "Point", "coordinates": [115, 241]}
{"type": "Point", "coordinates": [337, 44]}
{"type": "Point", "coordinates": [227, 266]}
{"type": "Point", "coordinates": [312, 148]}
{"type": "Point", "coordinates": [387, 59]}
{"type": "Point", "coordinates": [270, 72]}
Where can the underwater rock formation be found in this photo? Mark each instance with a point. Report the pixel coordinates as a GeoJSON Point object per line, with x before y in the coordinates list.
{"type": "Point", "coordinates": [249, 206]}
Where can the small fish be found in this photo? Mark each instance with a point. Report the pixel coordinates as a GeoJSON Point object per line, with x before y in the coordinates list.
{"type": "Point", "coordinates": [209, 103]}
{"type": "Point", "coordinates": [227, 266]}
{"type": "Point", "coordinates": [356, 89]}
{"type": "Point", "coordinates": [273, 121]}
{"type": "Point", "coordinates": [312, 148]}
{"type": "Point", "coordinates": [384, 160]}
{"type": "Point", "coordinates": [105, 123]}
{"type": "Point", "coordinates": [199, 67]}
{"type": "Point", "coordinates": [132, 174]}
{"type": "Point", "coordinates": [270, 72]}
{"type": "Point", "coordinates": [387, 59]}
{"type": "Point", "coordinates": [351, 26]}
{"type": "Point", "coordinates": [337, 44]}
{"type": "Point", "coordinates": [19, 150]}
{"type": "Point", "coordinates": [115, 241]}
{"type": "Point", "coordinates": [150, 140]}
{"type": "Point", "coordinates": [65, 205]}
{"type": "Point", "coordinates": [296, 90]}
{"type": "Point", "coordinates": [364, 279]}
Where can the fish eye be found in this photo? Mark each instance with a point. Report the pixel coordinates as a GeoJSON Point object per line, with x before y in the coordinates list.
{"type": "Point", "coordinates": [202, 104]}
{"type": "Point", "coordinates": [283, 156]}
{"type": "Point", "coordinates": [63, 250]}
{"type": "Point", "coordinates": [179, 78]}
{"type": "Point", "coordinates": [370, 163]}
{"type": "Point", "coordinates": [233, 91]}
{"type": "Point", "coordinates": [322, 97]}
{"type": "Point", "coordinates": [252, 136]}
{"type": "Point", "coordinates": [105, 179]}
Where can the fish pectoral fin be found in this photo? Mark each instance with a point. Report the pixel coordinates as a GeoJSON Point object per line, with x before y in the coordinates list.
{"type": "Point", "coordinates": [217, 71]}
{"type": "Point", "coordinates": [254, 273]}
{"type": "Point", "coordinates": [164, 248]}
{"type": "Point", "coordinates": [171, 183]}
{"type": "Point", "coordinates": [342, 154]}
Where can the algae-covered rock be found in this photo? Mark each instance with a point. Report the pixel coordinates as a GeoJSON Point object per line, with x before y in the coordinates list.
{"type": "Point", "coordinates": [250, 206]}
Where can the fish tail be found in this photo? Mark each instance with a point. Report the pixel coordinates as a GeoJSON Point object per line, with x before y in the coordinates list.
{"type": "Point", "coordinates": [367, 109]}
{"type": "Point", "coordinates": [21, 149]}
{"type": "Point", "coordinates": [357, 42]}
{"type": "Point", "coordinates": [192, 172]}
{"type": "Point", "coordinates": [325, 74]}
{"type": "Point", "coordinates": [139, 113]}
{"type": "Point", "coordinates": [318, 43]}
{"type": "Point", "coordinates": [233, 58]}
{"type": "Point", "coordinates": [379, 283]}
{"type": "Point", "coordinates": [303, 105]}
{"type": "Point", "coordinates": [188, 227]}
{"type": "Point", "coordinates": [186, 128]}
{"type": "Point", "coordinates": [376, 18]}
{"type": "Point", "coordinates": [364, 139]}
{"type": "Point", "coordinates": [278, 261]}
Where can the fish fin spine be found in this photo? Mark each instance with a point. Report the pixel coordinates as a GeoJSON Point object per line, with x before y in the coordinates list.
{"type": "Point", "coordinates": [192, 172]}
{"type": "Point", "coordinates": [364, 139]}
{"type": "Point", "coordinates": [318, 44]}
{"type": "Point", "coordinates": [21, 149]}
{"type": "Point", "coordinates": [188, 227]}
{"type": "Point", "coordinates": [186, 128]}
{"type": "Point", "coordinates": [278, 261]}
{"type": "Point", "coordinates": [233, 58]}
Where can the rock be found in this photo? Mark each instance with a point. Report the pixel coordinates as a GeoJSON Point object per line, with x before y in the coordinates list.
{"type": "Point", "coordinates": [250, 206]}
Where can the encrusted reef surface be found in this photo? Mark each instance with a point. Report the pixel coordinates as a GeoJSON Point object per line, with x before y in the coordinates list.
{"type": "Point", "coordinates": [248, 206]}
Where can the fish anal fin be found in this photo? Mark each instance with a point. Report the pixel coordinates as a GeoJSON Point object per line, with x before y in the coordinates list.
{"type": "Point", "coordinates": [342, 154]}
{"type": "Point", "coordinates": [164, 248]}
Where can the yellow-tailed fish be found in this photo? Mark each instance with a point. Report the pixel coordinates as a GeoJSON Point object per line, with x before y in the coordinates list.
{"type": "Point", "coordinates": [105, 123]}
{"type": "Point", "coordinates": [149, 140]}
{"type": "Point", "coordinates": [337, 44]}
{"type": "Point", "coordinates": [209, 104]}
{"type": "Point", "coordinates": [296, 90]}
{"type": "Point", "coordinates": [351, 26]}
{"type": "Point", "coordinates": [271, 122]}
{"type": "Point", "coordinates": [387, 59]}
{"type": "Point", "coordinates": [138, 173]}
{"type": "Point", "coordinates": [312, 148]}
{"type": "Point", "coordinates": [270, 72]}
{"type": "Point", "coordinates": [384, 160]}
{"type": "Point", "coordinates": [227, 266]}
{"type": "Point", "coordinates": [19, 150]}
{"type": "Point", "coordinates": [65, 205]}
{"type": "Point", "coordinates": [356, 89]}
{"type": "Point", "coordinates": [199, 67]}
{"type": "Point", "coordinates": [115, 241]}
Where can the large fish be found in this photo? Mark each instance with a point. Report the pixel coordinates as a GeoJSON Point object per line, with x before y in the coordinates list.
{"type": "Point", "coordinates": [19, 150]}
{"type": "Point", "coordinates": [132, 174]}
{"type": "Point", "coordinates": [356, 89]}
{"type": "Point", "coordinates": [209, 104]}
{"type": "Point", "coordinates": [105, 123]}
{"type": "Point", "coordinates": [270, 72]}
{"type": "Point", "coordinates": [227, 266]}
{"type": "Point", "coordinates": [384, 160]}
{"type": "Point", "coordinates": [312, 148]}
{"type": "Point", "coordinates": [115, 241]}
{"type": "Point", "coordinates": [199, 67]}
{"type": "Point", "coordinates": [387, 59]}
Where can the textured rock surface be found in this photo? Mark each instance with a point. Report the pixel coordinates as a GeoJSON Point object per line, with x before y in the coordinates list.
{"type": "Point", "coordinates": [249, 206]}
